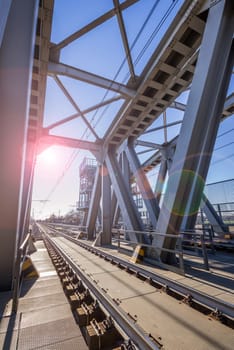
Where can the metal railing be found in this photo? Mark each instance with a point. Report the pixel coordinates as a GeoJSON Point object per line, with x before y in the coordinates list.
{"type": "Point", "coordinates": [21, 254]}
{"type": "Point", "coordinates": [196, 239]}
{"type": "Point", "coordinates": [151, 235]}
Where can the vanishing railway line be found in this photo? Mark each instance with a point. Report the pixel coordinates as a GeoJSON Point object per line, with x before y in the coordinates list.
{"type": "Point", "coordinates": [141, 309]}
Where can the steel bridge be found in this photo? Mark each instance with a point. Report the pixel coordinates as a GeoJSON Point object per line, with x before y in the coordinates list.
{"type": "Point", "coordinates": [196, 52]}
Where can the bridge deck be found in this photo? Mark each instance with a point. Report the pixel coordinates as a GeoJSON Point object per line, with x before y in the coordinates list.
{"type": "Point", "coordinates": [44, 319]}
{"type": "Point", "coordinates": [170, 321]}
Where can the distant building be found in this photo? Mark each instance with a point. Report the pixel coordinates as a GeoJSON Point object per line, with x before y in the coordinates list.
{"type": "Point", "coordinates": [87, 172]}
{"type": "Point", "coordinates": [137, 197]}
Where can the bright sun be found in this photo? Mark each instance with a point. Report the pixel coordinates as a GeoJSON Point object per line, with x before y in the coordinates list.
{"type": "Point", "coordinates": [48, 156]}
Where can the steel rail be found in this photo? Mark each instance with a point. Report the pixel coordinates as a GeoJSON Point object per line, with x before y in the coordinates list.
{"type": "Point", "coordinates": [212, 303]}
{"type": "Point", "coordinates": [215, 305]}
{"type": "Point", "coordinates": [133, 331]}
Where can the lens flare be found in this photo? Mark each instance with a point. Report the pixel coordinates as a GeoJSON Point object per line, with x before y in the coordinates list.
{"type": "Point", "coordinates": [48, 156]}
{"type": "Point", "coordinates": [194, 184]}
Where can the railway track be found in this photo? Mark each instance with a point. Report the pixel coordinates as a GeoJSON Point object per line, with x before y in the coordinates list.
{"type": "Point", "coordinates": [120, 310]}
{"type": "Point", "coordinates": [106, 325]}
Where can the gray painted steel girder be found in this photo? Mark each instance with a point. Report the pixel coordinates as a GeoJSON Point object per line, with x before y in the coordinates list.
{"type": "Point", "coordinates": [124, 165]}
{"type": "Point", "coordinates": [200, 120]}
{"type": "Point", "coordinates": [75, 73]}
{"type": "Point", "coordinates": [47, 140]}
{"type": "Point", "coordinates": [27, 190]}
{"type": "Point", "coordinates": [16, 61]}
{"type": "Point", "coordinates": [94, 203]}
{"type": "Point", "coordinates": [126, 203]}
{"type": "Point", "coordinates": [115, 211]}
{"type": "Point", "coordinates": [106, 206]}
{"type": "Point", "coordinates": [210, 137]}
{"type": "Point", "coordinates": [161, 179]}
{"type": "Point", "coordinates": [143, 183]}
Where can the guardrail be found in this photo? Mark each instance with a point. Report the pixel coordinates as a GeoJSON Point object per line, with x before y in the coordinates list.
{"type": "Point", "coordinates": [21, 254]}
{"type": "Point", "coordinates": [194, 237]}
{"type": "Point", "coordinates": [199, 240]}
{"type": "Point", "coordinates": [178, 250]}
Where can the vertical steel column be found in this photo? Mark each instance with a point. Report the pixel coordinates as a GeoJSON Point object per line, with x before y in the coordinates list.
{"type": "Point", "coordinates": [143, 184]}
{"type": "Point", "coordinates": [106, 206]}
{"type": "Point", "coordinates": [161, 178]}
{"type": "Point", "coordinates": [126, 203]}
{"type": "Point", "coordinates": [126, 174]}
{"type": "Point", "coordinates": [114, 208]}
{"type": "Point", "coordinates": [117, 214]}
{"type": "Point", "coordinates": [94, 203]}
{"type": "Point", "coordinates": [209, 142]}
{"type": "Point", "coordinates": [200, 121]}
{"type": "Point", "coordinates": [115, 211]}
{"type": "Point", "coordinates": [85, 217]}
{"type": "Point", "coordinates": [27, 190]}
{"type": "Point", "coordinates": [16, 60]}
{"type": "Point", "coordinates": [165, 166]}
{"type": "Point", "coordinates": [125, 169]}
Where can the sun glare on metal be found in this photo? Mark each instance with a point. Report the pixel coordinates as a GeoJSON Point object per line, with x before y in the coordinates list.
{"type": "Point", "coordinates": [48, 156]}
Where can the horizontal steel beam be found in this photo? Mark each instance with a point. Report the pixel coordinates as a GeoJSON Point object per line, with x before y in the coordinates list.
{"type": "Point", "coordinates": [90, 78]}
{"type": "Point", "coordinates": [178, 105]}
{"type": "Point", "coordinates": [50, 140]}
{"type": "Point", "coordinates": [162, 127]}
{"type": "Point", "coordinates": [156, 157]}
{"type": "Point", "coordinates": [148, 144]}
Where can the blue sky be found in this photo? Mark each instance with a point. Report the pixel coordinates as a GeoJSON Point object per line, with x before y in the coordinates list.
{"type": "Point", "coordinates": [101, 52]}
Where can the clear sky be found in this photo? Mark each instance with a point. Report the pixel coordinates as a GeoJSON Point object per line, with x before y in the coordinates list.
{"type": "Point", "coordinates": [100, 51]}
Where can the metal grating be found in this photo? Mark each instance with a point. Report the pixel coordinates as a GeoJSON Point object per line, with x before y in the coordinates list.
{"type": "Point", "coordinates": [51, 335]}
{"type": "Point", "coordinates": [71, 344]}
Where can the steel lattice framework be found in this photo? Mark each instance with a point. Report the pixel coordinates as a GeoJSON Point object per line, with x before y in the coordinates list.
{"type": "Point", "coordinates": [195, 53]}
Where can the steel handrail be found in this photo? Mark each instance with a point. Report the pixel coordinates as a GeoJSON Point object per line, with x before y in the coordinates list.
{"type": "Point", "coordinates": [21, 254]}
